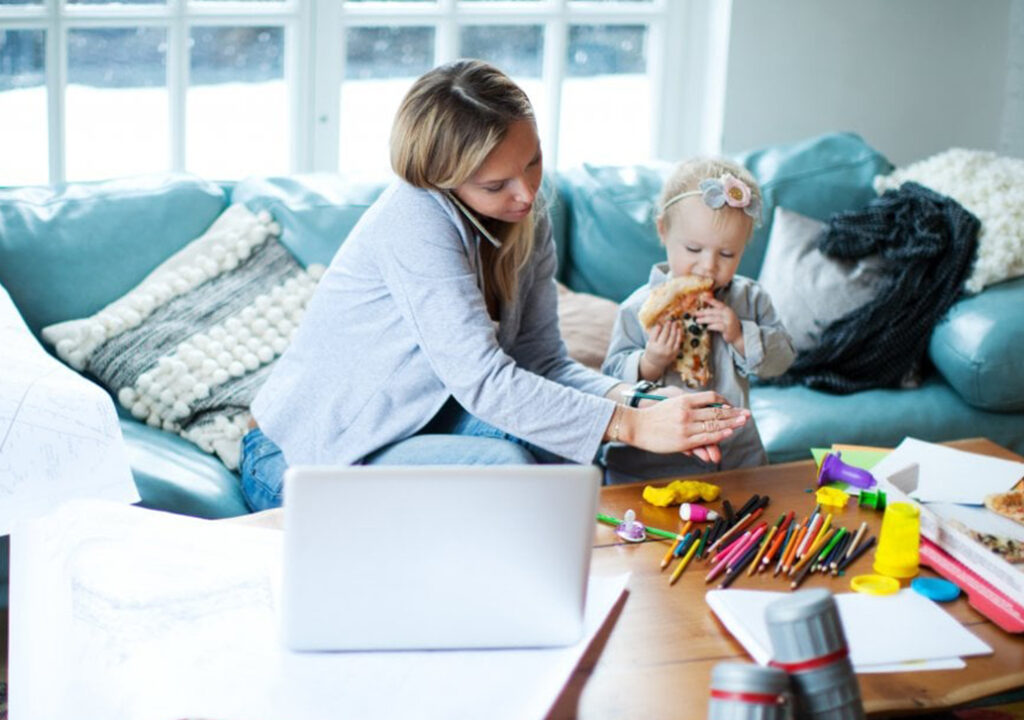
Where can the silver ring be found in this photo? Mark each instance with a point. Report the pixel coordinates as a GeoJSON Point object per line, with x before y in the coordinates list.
{"type": "Point", "coordinates": [705, 424]}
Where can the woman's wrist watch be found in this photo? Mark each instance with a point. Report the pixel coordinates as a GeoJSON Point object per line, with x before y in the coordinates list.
{"type": "Point", "coordinates": [644, 386]}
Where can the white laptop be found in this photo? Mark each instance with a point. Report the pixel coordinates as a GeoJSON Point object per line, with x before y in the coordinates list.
{"type": "Point", "coordinates": [436, 557]}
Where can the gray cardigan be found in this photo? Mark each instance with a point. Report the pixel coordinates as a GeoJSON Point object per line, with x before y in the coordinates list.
{"type": "Point", "coordinates": [398, 324]}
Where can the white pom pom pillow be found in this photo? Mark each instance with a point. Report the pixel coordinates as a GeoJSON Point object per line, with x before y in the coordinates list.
{"type": "Point", "coordinates": [187, 349]}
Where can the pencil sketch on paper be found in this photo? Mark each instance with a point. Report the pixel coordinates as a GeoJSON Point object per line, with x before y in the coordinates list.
{"type": "Point", "coordinates": [59, 433]}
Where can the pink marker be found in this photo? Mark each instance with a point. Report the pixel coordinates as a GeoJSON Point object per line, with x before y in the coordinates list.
{"type": "Point", "coordinates": [697, 513]}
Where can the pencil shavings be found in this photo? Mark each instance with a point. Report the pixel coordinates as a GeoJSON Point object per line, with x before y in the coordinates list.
{"type": "Point", "coordinates": [680, 491]}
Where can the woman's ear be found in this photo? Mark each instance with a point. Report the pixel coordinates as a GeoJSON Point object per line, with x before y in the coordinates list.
{"type": "Point", "coordinates": [660, 223]}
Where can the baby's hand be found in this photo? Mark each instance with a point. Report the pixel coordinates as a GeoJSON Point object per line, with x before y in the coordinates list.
{"type": "Point", "coordinates": [723, 319]}
{"type": "Point", "coordinates": [663, 345]}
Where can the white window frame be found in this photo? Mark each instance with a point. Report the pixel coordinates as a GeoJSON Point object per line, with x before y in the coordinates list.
{"type": "Point", "coordinates": [688, 44]}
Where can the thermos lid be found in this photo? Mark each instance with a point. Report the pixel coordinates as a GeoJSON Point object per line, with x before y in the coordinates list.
{"type": "Point", "coordinates": [804, 625]}
{"type": "Point", "coordinates": [747, 678]}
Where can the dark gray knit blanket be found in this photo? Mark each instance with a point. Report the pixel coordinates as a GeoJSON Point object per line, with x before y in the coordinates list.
{"type": "Point", "coordinates": [927, 243]}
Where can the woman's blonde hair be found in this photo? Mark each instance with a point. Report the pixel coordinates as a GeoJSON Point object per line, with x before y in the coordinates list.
{"type": "Point", "coordinates": [687, 178]}
{"type": "Point", "coordinates": [447, 124]}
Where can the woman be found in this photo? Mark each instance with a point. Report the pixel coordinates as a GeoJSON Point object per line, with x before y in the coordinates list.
{"type": "Point", "coordinates": [433, 336]}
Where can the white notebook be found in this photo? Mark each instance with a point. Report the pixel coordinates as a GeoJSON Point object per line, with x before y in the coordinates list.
{"type": "Point", "coordinates": [893, 633]}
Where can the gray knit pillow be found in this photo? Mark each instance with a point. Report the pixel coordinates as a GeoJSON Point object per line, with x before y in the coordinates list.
{"type": "Point", "coordinates": [187, 349]}
{"type": "Point", "coordinates": [808, 289]}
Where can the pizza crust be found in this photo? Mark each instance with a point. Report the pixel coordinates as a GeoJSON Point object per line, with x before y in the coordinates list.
{"type": "Point", "coordinates": [1008, 504]}
{"type": "Point", "coordinates": [678, 300]}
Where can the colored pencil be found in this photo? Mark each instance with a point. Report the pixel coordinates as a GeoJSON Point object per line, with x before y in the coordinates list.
{"type": "Point", "coordinates": [739, 527]}
{"type": "Point", "coordinates": [822, 556]}
{"type": "Point", "coordinates": [812, 552]}
{"type": "Point", "coordinates": [764, 546]}
{"type": "Point", "coordinates": [857, 538]}
{"type": "Point", "coordinates": [809, 536]}
{"type": "Point", "coordinates": [683, 563]}
{"type": "Point", "coordinates": [657, 532]}
{"type": "Point", "coordinates": [861, 549]}
{"type": "Point", "coordinates": [737, 570]}
{"type": "Point", "coordinates": [780, 539]}
{"type": "Point", "coordinates": [839, 553]}
{"type": "Point", "coordinates": [703, 541]}
{"type": "Point", "coordinates": [671, 551]}
{"type": "Point", "coordinates": [794, 546]}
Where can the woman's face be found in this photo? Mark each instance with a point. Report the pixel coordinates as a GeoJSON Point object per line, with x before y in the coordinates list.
{"type": "Point", "coordinates": [506, 183]}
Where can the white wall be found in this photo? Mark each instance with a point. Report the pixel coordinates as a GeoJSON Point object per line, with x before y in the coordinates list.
{"type": "Point", "coordinates": [913, 77]}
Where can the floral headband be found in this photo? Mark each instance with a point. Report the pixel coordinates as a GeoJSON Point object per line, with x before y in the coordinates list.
{"type": "Point", "coordinates": [726, 190]}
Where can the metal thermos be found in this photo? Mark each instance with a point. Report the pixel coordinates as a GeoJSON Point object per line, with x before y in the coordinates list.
{"type": "Point", "coordinates": [741, 691]}
{"type": "Point", "coordinates": [808, 643]}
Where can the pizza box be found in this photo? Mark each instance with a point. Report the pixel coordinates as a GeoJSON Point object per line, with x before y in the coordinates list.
{"type": "Point", "coordinates": [949, 526]}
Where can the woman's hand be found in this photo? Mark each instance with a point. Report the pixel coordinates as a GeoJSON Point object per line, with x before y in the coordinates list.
{"type": "Point", "coordinates": [683, 424]}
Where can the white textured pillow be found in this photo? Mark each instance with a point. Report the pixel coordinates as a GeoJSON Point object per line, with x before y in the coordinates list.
{"type": "Point", "coordinates": [187, 348]}
{"type": "Point", "coordinates": [990, 187]}
{"type": "Point", "coordinates": [808, 289]}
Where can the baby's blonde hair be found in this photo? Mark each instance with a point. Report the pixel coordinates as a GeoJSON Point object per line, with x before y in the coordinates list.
{"type": "Point", "coordinates": [687, 178]}
{"type": "Point", "coordinates": [448, 123]}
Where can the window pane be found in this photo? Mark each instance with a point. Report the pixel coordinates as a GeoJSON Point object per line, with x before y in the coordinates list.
{"type": "Point", "coordinates": [117, 103]}
{"type": "Point", "coordinates": [606, 109]}
{"type": "Point", "coordinates": [518, 50]}
{"type": "Point", "coordinates": [237, 119]}
{"type": "Point", "coordinates": [116, 2]}
{"type": "Point", "coordinates": [380, 65]}
{"type": "Point", "coordinates": [23, 124]}
{"type": "Point", "coordinates": [21, 2]}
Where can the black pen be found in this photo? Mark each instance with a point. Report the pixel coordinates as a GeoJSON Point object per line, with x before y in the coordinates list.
{"type": "Point", "coordinates": [748, 506]}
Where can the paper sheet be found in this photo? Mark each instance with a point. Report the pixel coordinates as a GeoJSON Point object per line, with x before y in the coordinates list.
{"type": "Point", "coordinates": [119, 612]}
{"type": "Point", "coordinates": [950, 475]}
{"type": "Point", "coordinates": [59, 433]}
{"type": "Point", "coordinates": [903, 631]}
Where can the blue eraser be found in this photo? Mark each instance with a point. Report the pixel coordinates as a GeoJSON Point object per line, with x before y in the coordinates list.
{"type": "Point", "coordinates": [935, 589]}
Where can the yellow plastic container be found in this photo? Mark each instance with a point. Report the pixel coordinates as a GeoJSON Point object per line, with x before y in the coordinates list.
{"type": "Point", "coordinates": [899, 544]}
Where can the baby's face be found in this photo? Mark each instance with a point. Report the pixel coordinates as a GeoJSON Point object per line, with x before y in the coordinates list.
{"type": "Point", "coordinates": [705, 242]}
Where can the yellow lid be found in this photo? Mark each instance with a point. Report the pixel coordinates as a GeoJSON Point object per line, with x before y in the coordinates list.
{"type": "Point", "coordinates": [875, 585]}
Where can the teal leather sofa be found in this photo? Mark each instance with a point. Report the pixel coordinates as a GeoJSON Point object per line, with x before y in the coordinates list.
{"type": "Point", "coordinates": [66, 252]}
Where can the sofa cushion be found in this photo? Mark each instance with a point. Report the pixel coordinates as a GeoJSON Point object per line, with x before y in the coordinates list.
{"type": "Point", "coordinates": [808, 289]}
{"type": "Point", "coordinates": [586, 323]}
{"type": "Point", "coordinates": [816, 177]}
{"type": "Point", "coordinates": [187, 349]}
{"type": "Point", "coordinates": [67, 251]}
{"type": "Point", "coordinates": [612, 239]}
{"type": "Point", "coordinates": [792, 420]}
{"type": "Point", "coordinates": [316, 211]}
{"type": "Point", "coordinates": [979, 347]}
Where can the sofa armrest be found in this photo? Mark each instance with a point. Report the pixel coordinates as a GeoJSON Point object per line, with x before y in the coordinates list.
{"type": "Point", "coordinates": [978, 347]}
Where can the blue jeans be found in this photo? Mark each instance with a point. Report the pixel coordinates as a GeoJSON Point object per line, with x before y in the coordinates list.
{"type": "Point", "coordinates": [452, 437]}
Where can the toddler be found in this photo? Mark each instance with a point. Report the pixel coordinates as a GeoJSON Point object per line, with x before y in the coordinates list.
{"type": "Point", "coordinates": [707, 213]}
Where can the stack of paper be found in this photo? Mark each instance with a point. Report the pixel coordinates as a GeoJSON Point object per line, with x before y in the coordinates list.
{"type": "Point", "coordinates": [59, 433]}
{"type": "Point", "coordinates": [894, 633]}
{"type": "Point", "coordinates": [949, 475]}
{"type": "Point", "coordinates": [120, 612]}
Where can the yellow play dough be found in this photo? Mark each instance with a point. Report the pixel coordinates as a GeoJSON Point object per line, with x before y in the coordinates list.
{"type": "Point", "coordinates": [680, 491]}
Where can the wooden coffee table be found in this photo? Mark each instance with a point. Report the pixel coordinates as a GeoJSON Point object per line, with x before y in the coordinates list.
{"type": "Point", "coordinates": [653, 657]}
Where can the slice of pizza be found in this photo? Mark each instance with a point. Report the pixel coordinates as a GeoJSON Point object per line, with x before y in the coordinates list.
{"type": "Point", "coordinates": [679, 299]}
{"type": "Point", "coordinates": [1008, 504]}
